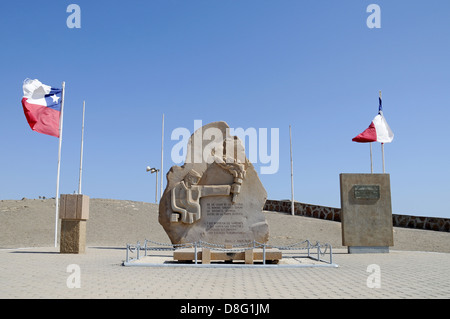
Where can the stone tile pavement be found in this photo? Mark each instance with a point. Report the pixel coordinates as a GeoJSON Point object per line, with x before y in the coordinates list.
{"type": "Point", "coordinates": [44, 273]}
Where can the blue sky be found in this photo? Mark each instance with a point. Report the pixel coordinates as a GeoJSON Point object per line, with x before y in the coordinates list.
{"type": "Point", "coordinates": [314, 65]}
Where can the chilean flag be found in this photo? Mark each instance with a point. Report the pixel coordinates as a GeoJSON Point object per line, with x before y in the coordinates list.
{"type": "Point", "coordinates": [378, 130]}
{"type": "Point", "coordinates": [42, 107]}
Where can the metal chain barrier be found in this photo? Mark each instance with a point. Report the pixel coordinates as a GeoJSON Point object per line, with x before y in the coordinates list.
{"type": "Point", "coordinates": [321, 249]}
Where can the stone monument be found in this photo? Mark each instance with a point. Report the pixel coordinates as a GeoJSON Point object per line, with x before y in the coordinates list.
{"type": "Point", "coordinates": [73, 212]}
{"type": "Point", "coordinates": [366, 217]}
{"type": "Point", "coordinates": [216, 196]}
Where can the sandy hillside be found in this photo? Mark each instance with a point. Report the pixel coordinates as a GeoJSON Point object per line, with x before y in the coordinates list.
{"type": "Point", "coordinates": [31, 223]}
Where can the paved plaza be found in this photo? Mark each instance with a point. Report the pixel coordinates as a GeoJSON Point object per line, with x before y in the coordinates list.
{"type": "Point", "coordinates": [45, 273]}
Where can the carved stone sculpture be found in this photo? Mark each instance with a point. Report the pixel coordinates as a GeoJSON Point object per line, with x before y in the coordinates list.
{"type": "Point", "coordinates": [216, 196]}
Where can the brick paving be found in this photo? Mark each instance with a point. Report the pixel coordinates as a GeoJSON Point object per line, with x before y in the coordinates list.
{"type": "Point", "coordinates": [43, 273]}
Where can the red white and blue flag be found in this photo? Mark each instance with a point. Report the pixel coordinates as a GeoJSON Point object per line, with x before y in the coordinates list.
{"type": "Point", "coordinates": [378, 130]}
{"type": "Point", "coordinates": [42, 107]}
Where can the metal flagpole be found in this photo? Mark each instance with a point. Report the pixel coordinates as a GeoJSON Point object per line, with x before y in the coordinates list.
{"type": "Point", "coordinates": [380, 106]}
{"type": "Point", "coordinates": [371, 161]}
{"type": "Point", "coordinates": [382, 144]}
{"type": "Point", "coordinates": [81, 152]}
{"type": "Point", "coordinates": [59, 161]}
{"type": "Point", "coordinates": [162, 155]}
{"type": "Point", "coordinates": [156, 192]}
{"type": "Point", "coordinates": [292, 174]}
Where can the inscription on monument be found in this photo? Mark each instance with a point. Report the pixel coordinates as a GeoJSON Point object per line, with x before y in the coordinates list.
{"type": "Point", "coordinates": [221, 219]}
{"type": "Point", "coordinates": [366, 191]}
{"type": "Point", "coordinates": [224, 209]}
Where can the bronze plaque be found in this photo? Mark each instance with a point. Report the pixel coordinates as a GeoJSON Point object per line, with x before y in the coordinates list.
{"type": "Point", "coordinates": [367, 191]}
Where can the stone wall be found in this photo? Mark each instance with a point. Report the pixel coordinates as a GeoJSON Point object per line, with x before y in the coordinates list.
{"type": "Point", "coordinates": [302, 209]}
{"type": "Point", "coordinates": [334, 214]}
{"type": "Point", "coordinates": [419, 222]}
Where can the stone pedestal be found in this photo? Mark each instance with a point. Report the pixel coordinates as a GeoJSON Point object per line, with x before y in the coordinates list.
{"type": "Point", "coordinates": [366, 217]}
{"type": "Point", "coordinates": [73, 236]}
{"type": "Point", "coordinates": [249, 256]}
{"type": "Point", "coordinates": [73, 212]}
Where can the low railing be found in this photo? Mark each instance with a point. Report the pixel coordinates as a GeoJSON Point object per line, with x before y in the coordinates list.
{"type": "Point", "coordinates": [314, 251]}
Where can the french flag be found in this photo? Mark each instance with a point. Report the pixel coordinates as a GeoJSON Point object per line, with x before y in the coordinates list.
{"type": "Point", "coordinates": [42, 107]}
{"type": "Point", "coordinates": [378, 130]}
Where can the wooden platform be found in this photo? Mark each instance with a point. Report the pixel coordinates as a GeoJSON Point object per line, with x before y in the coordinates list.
{"type": "Point", "coordinates": [206, 255]}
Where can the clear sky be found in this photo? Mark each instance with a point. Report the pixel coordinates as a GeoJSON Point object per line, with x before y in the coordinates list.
{"type": "Point", "coordinates": [314, 65]}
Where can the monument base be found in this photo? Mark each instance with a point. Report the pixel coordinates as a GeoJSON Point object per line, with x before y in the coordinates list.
{"type": "Point", "coordinates": [368, 249]}
{"type": "Point", "coordinates": [73, 236]}
{"type": "Point", "coordinates": [206, 255]}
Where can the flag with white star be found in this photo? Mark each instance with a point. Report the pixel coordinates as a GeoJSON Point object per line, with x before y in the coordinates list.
{"type": "Point", "coordinates": [42, 107]}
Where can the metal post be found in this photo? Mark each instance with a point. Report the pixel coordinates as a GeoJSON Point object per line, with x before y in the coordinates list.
{"type": "Point", "coordinates": [59, 161]}
{"type": "Point", "coordinates": [145, 248]}
{"type": "Point", "coordinates": [81, 152]}
{"type": "Point", "coordinates": [318, 252]}
{"type": "Point", "coordinates": [154, 170]}
{"type": "Point", "coordinates": [162, 156]}
{"type": "Point", "coordinates": [264, 254]}
{"type": "Point", "coordinates": [382, 144]}
{"type": "Point", "coordinates": [331, 255]}
{"type": "Point", "coordinates": [138, 248]}
{"type": "Point", "coordinates": [156, 188]}
{"type": "Point", "coordinates": [292, 174]}
{"type": "Point", "coordinates": [195, 252]}
{"type": "Point", "coordinates": [371, 162]}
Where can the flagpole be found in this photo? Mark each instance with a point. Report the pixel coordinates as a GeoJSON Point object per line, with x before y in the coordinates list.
{"type": "Point", "coordinates": [81, 152]}
{"type": "Point", "coordinates": [59, 161]}
{"type": "Point", "coordinates": [292, 174]}
{"type": "Point", "coordinates": [371, 161]}
{"type": "Point", "coordinates": [162, 155]}
{"type": "Point", "coordinates": [382, 144]}
{"type": "Point", "coordinates": [379, 107]}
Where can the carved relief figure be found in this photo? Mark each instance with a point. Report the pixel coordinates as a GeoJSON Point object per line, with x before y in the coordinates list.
{"type": "Point", "coordinates": [185, 196]}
